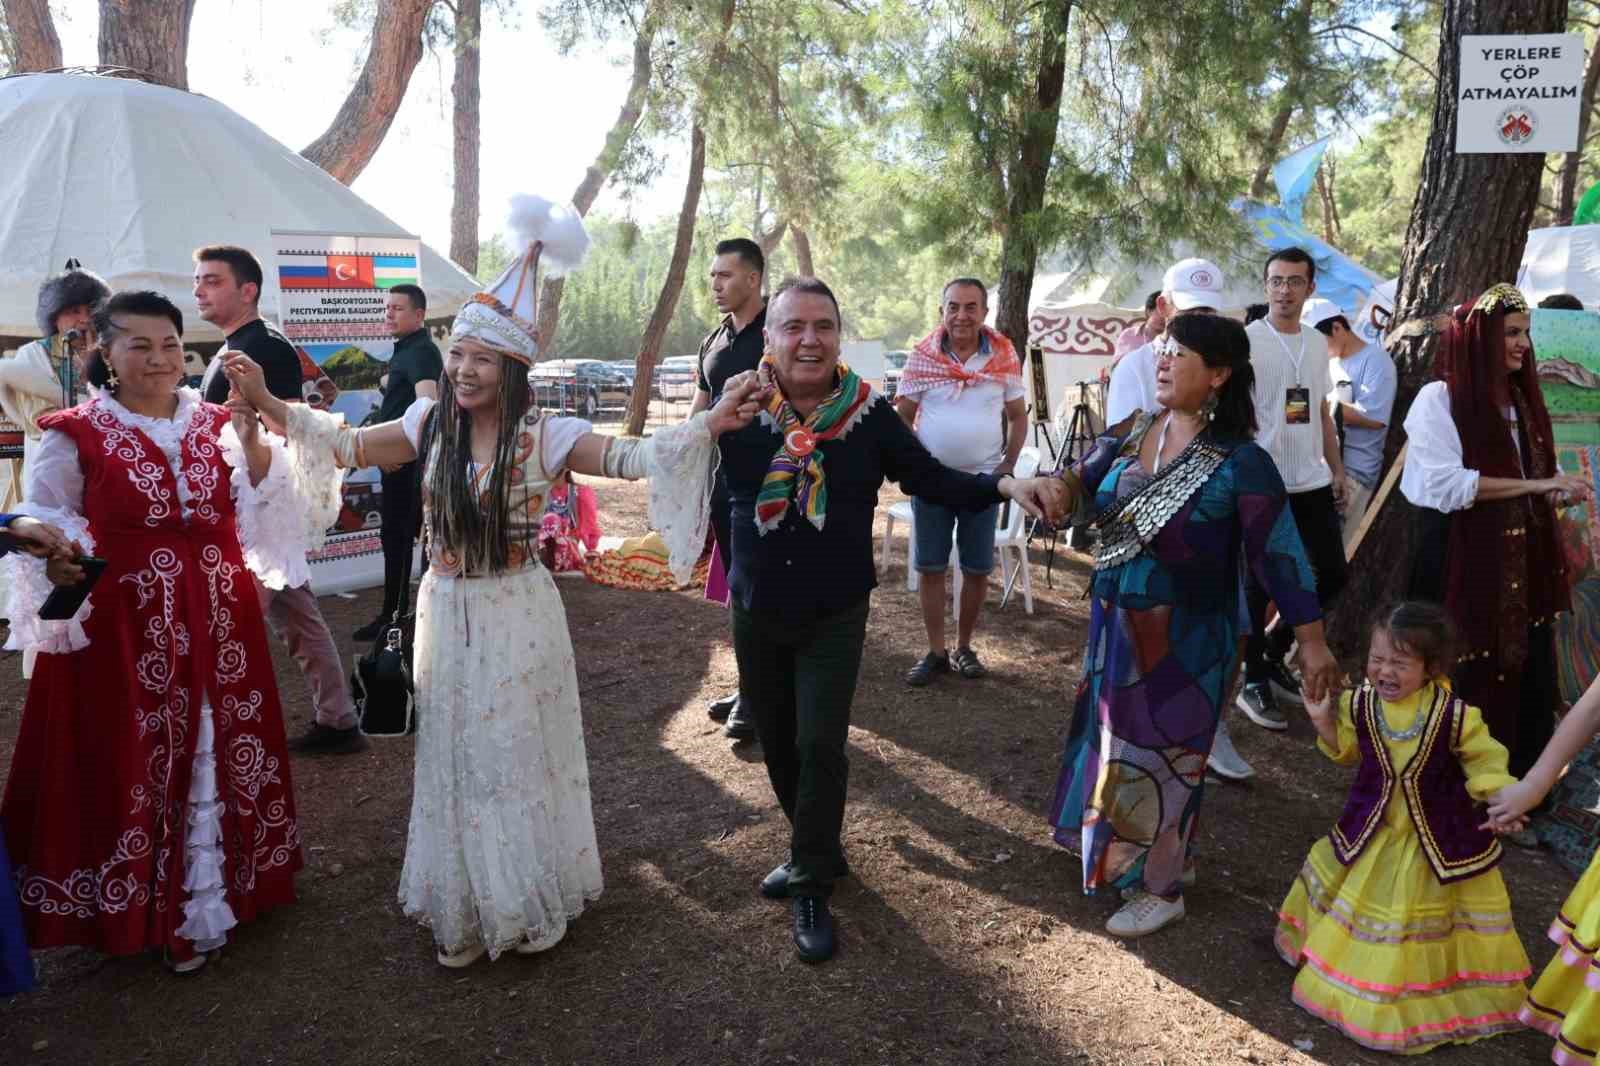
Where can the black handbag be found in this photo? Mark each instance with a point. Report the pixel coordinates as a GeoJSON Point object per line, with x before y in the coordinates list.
{"type": "Point", "coordinates": [381, 684]}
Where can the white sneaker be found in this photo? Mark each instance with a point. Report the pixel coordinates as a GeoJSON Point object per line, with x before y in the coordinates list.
{"type": "Point", "coordinates": [1146, 914]}
{"type": "Point", "coordinates": [1225, 760]}
{"type": "Point", "coordinates": [459, 959]}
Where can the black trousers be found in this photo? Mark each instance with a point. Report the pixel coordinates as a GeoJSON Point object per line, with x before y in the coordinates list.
{"type": "Point", "coordinates": [722, 533]}
{"type": "Point", "coordinates": [1322, 532]}
{"type": "Point", "coordinates": [802, 680]}
{"type": "Point", "coordinates": [398, 533]}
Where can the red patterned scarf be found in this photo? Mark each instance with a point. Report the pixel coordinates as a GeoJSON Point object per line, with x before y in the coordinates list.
{"type": "Point", "coordinates": [931, 366]}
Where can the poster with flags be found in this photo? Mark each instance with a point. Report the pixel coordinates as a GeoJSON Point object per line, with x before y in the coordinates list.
{"type": "Point", "coordinates": [333, 288]}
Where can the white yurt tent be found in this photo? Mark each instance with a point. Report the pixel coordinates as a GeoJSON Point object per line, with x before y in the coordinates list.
{"type": "Point", "coordinates": [130, 178]}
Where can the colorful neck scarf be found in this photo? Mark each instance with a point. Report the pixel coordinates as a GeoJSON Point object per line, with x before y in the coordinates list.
{"type": "Point", "coordinates": [931, 366]}
{"type": "Point", "coordinates": [796, 474]}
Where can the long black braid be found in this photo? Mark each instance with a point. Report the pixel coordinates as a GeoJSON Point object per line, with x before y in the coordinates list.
{"type": "Point", "coordinates": [474, 528]}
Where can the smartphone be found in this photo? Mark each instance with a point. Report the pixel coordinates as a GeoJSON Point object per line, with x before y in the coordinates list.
{"type": "Point", "coordinates": [64, 600]}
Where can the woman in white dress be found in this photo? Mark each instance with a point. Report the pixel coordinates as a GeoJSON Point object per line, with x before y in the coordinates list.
{"type": "Point", "coordinates": [501, 849]}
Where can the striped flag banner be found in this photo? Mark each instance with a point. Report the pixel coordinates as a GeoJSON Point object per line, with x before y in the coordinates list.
{"type": "Point", "coordinates": [391, 270]}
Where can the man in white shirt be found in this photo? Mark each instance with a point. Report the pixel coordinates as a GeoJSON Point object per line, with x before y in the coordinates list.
{"type": "Point", "coordinates": [1364, 383]}
{"type": "Point", "coordinates": [1296, 429]}
{"type": "Point", "coordinates": [961, 390]}
{"type": "Point", "coordinates": [1188, 285]}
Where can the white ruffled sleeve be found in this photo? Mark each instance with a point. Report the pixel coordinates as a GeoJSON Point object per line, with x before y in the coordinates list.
{"type": "Point", "coordinates": [680, 462]}
{"type": "Point", "coordinates": [272, 532]}
{"type": "Point", "coordinates": [1434, 475]}
{"type": "Point", "coordinates": [54, 494]}
{"type": "Point", "coordinates": [313, 439]}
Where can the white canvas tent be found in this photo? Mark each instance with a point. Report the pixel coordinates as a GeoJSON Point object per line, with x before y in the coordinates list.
{"type": "Point", "coordinates": [130, 178]}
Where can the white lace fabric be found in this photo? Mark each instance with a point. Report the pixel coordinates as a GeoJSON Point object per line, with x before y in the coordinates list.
{"type": "Point", "coordinates": [681, 464]}
{"type": "Point", "coordinates": [501, 848]}
{"type": "Point", "coordinates": [206, 913]}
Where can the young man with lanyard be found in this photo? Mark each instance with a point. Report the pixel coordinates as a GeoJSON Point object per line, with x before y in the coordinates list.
{"type": "Point", "coordinates": [732, 348]}
{"type": "Point", "coordinates": [227, 287]}
{"type": "Point", "coordinates": [1296, 429]}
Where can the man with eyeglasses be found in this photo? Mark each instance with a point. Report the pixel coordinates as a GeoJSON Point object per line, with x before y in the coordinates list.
{"type": "Point", "coordinates": [1296, 429]}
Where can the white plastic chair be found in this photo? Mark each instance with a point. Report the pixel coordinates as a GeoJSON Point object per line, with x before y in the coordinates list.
{"type": "Point", "coordinates": [1012, 535]}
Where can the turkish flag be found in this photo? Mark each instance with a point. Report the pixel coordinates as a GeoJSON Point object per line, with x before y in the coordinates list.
{"type": "Point", "coordinates": [350, 272]}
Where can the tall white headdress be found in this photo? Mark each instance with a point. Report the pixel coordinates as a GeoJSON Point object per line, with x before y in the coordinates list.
{"type": "Point", "coordinates": [504, 315]}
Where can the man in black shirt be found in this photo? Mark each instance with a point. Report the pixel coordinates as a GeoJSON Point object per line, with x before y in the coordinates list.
{"type": "Point", "coordinates": [803, 480]}
{"type": "Point", "coordinates": [734, 347]}
{"type": "Point", "coordinates": [227, 286]}
{"type": "Point", "coordinates": [414, 371]}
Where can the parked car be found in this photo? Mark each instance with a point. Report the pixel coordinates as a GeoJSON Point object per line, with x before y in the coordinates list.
{"type": "Point", "coordinates": [894, 363]}
{"type": "Point", "coordinates": [675, 377]}
{"type": "Point", "coordinates": [584, 387]}
{"type": "Point", "coordinates": [627, 367]}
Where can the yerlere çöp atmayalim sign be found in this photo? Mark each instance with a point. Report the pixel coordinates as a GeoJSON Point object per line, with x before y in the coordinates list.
{"type": "Point", "coordinates": [1520, 93]}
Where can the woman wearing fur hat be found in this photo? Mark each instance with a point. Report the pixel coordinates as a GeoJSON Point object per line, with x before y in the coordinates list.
{"type": "Point", "coordinates": [501, 851]}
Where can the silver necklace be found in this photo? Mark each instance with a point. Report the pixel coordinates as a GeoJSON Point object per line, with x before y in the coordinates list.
{"type": "Point", "coordinates": [1417, 722]}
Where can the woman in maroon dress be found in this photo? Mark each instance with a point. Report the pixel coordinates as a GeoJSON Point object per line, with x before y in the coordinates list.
{"type": "Point", "coordinates": [149, 801]}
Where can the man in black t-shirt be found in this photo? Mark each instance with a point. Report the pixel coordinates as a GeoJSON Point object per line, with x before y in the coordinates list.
{"type": "Point", "coordinates": [414, 371]}
{"type": "Point", "coordinates": [732, 348]}
{"type": "Point", "coordinates": [227, 286]}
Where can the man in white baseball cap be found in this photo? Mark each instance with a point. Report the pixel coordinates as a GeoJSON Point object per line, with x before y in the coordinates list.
{"type": "Point", "coordinates": [1188, 285]}
{"type": "Point", "coordinates": [1364, 381]}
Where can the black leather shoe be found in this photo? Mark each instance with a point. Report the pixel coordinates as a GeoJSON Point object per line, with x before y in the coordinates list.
{"type": "Point", "coordinates": [324, 740]}
{"type": "Point", "coordinates": [813, 928]}
{"type": "Point", "coordinates": [776, 884]}
{"type": "Point", "coordinates": [719, 709]}
{"type": "Point", "coordinates": [740, 726]}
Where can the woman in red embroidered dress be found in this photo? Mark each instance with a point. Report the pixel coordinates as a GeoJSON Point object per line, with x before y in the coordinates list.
{"type": "Point", "coordinates": [149, 801]}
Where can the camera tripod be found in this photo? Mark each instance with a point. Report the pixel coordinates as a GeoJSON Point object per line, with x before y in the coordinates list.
{"type": "Point", "coordinates": [1075, 442]}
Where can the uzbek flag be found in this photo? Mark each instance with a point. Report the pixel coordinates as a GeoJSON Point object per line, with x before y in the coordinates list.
{"type": "Point", "coordinates": [391, 270]}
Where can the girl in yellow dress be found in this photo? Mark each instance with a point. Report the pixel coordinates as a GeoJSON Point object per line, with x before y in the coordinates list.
{"type": "Point", "coordinates": [1399, 921]}
{"type": "Point", "coordinates": [1565, 1001]}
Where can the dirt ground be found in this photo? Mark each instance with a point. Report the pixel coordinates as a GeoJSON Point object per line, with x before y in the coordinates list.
{"type": "Point", "coordinates": [963, 935]}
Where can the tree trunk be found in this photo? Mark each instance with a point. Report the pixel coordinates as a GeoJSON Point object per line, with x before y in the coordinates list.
{"type": "Point", "coordinates": [594, 179]}
{"type": "Point", "coordinates": [151, 36]}
{"type": "Point", "coordinates": [33, 35]}
{"type": "Point", "coordinates": [802, 252]}
{"type": "Point", "coordinates": [1468, 228]}
{"type": "Point", "coordinates": [667, 302]}
{"type": "Point", "coordinates": [1568, 197]}
{"type": "Point", "coordinates": [771, 238]}
{"type": "Point", "coordinates": [1274, 142]}
{"type": "Point", "coordinates": [465, 93]}
{"type": "Point", "coordinates": [1019, 249]}
{"type": "Point", "coordinates": [1288, 103]}
{"type": "Point", "coordinates": [352, 139]}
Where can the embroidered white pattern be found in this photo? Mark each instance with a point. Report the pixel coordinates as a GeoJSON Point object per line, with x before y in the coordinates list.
{"type": "Point", "coordinates": [145, 473]}
{"type": "Point", "coordinates": [205, 468]}
{"type": "Point", "coordinates": [84, 892]}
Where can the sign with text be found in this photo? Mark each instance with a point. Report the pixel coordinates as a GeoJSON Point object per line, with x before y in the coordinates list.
{"type": "Point", "coordinates": [1519, 93]}
{"type": "Point", "coordinates": [332, 289]}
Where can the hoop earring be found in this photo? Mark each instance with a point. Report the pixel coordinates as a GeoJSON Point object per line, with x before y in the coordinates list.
{"type": "Point", "coordinates": [1209, 408]}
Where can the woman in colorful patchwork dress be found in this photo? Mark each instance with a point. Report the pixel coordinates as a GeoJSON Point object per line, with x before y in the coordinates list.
{"type": "Point", "coordinates": [1183, 497]}
{"type": "Point", "coordinates": [149, 803]}
{"type": "Point", "coordinates": [501, 852]}
{"type": "Point", "coordinates": [1399, 922]}
{"type": "Point", "coordinates": [1565, 1002]}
